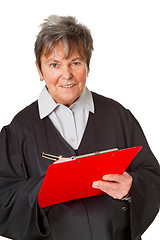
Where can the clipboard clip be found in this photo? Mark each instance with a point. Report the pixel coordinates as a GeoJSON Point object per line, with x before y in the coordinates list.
{"type": "Point", "coordinates": [55, 158]}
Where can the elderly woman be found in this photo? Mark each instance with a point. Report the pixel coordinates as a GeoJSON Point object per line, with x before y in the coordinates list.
{"type": "Point", "coordinates": [70, 120]}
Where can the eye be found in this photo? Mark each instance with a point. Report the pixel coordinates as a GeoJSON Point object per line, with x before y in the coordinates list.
{"type": "Point", "coordinates": [76, 64]}
{"type": "Point", "coordinates": [54, 65]}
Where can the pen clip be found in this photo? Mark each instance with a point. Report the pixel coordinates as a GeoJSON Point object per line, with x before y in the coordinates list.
{"type": "Point", "coordinates": [51, 157]}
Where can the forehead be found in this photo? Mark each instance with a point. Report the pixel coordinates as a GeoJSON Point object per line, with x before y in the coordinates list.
{"type": "Point", "coordinates": [65, 50]}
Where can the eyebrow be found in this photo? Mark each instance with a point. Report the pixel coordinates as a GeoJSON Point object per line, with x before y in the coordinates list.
{"type": "Point", "coordinates": [77, 58]}
{"type": "Point", "coordinates": [52, 60]}
{"type": "Point", "coordinates": [57, 61]}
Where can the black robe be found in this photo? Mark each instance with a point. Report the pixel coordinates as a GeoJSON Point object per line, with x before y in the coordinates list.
{"type": "Point", "coordinates": [22, 170]}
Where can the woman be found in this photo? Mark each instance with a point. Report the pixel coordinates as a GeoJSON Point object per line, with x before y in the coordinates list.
{"type": "Point", "coordinates": [70, 120]}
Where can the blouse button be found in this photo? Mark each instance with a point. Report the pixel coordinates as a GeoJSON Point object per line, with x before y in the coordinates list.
{"type": "Point", "coordinates": [68, 114]}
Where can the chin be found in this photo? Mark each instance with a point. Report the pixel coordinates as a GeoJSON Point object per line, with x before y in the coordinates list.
{"type": "Point", "coordinates": [69, 102]}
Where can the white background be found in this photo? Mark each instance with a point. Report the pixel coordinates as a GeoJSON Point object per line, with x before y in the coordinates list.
{"type": "Point", "coordinates": [125, 65]}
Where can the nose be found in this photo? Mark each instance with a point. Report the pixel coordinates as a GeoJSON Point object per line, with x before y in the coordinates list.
{"type": "Point", "coordinates": [66, 73]}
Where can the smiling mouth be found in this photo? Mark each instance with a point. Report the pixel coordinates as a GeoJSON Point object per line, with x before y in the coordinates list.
{"type": "Point", "coordinates": [68, 86]}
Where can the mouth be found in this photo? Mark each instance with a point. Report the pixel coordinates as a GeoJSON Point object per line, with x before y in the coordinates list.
{"type": "Point", "coordinates": [69, 85]}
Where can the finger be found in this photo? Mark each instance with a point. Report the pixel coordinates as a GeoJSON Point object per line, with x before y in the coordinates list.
{"type": "Point", "coordinates": [105, 186]}
{"type": "Point", "coordinates": [111, 188]}
{"type": "Point", "coordinates": [63, 160]}
{"type": "Point", "coordinates": [112, 177]}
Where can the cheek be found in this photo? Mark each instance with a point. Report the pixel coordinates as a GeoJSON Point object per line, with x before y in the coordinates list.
{"type": "Point", "coordinates": [51, 78]}
{"type": "Point", "coordinates": [81, 76]}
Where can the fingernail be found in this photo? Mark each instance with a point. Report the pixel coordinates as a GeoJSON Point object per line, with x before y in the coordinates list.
{"type": "Point", "coordinates": [105, 177]}
{"type": "Point", "coordinates": [95, 185]}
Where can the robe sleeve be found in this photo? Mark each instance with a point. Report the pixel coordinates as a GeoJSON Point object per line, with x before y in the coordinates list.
{"type": "Point", "coordinates": [145, 171]}
{"type": "Point", "coordinates": [20, 215]}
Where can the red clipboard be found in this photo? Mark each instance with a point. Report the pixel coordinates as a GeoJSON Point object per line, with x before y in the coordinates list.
{"type": "Point", "coordinates": [70, 180]}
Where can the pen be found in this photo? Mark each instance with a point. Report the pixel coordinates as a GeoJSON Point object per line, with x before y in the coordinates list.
{"type": "Point", "coordinates": [51, 157]}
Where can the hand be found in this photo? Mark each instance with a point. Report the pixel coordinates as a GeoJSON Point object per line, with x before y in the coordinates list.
{"type": "Point", "coordinates": [115, 185]}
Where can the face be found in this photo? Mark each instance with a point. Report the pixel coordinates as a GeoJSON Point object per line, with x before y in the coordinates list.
{"type": "Point", "coordinates": [65, 77]}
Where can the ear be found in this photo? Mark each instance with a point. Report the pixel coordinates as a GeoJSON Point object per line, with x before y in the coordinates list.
{"type": "Point", "coordinates": [39, 71]}
{"type": "Point", "coordinates": [87, 71]}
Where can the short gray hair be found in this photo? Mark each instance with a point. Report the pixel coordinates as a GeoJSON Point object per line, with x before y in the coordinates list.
{"type": "Point", "coordinates": [74, 36]}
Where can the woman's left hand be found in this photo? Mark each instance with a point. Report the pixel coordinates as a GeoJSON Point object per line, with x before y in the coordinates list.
{"type": "Point", "coordinates": [115, 185]}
